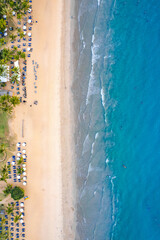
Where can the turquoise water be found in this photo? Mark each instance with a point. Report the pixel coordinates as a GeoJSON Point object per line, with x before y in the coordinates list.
{"type": "Point", "coordinates": [117, 96]}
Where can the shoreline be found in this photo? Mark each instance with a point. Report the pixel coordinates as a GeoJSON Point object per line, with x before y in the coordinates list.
{"type": "Point", "coordinates": [48, 127]}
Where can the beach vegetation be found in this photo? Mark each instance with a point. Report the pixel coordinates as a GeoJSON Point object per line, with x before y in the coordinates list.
{"type": "Point", "coordinates": [4, 173]}
{"type": "Point", "coordinates": [7, 103]}
{"type": "Point", "coordinates": [20, 161]}
{"type": "Point", "coordinates": [2, 25]}
{"type": "Point", "coordinates": [7, 190]}
{"type": "Point", "coordinates": [9, 209]}
{"type": "Point", "coordinates": [17, 217]}
{"type": "Point", "coordinates": [17, 193]}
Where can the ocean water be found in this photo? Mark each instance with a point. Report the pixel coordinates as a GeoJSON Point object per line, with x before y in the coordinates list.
{"type": "Point", "coordinates": [117, 101]}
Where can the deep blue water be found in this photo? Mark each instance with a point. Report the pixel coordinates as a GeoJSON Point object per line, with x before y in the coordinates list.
{"type": "Point", "coordinates": [117, 100]}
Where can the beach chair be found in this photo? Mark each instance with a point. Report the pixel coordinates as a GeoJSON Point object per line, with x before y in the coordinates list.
{"type": "Point", "coordinates": [12, 219]}
{"type": "Point", "coordinates": [30, 28]}
{"type": "Point", "coordinates": [28, 55]}
{"type": "Point", "coordinates": [19, 40]}
{"type": "Point", "coordinates": [24, 50]}
{"type": "Point", "coordinates": [30, 39]}
{"type": "Point", "coordinates": [12, 234]}
{"type": "Point", "coordinates": [12, 229]}
{"type": "Point", "coordinates": [23, 235]}
{"type": "Point", "coordinates": [17, 229]}
{"type": "Point", "coordinates": [24, 44]}
{"type": "Point", "coordinates": [18, 149]}
{"type": "Point", "coordinates": [13, 157]}
{"type": "Point", "coordinates": [23, 224]}
{"type": "Point", "coordinates": [12, 223]}
{"type": "Point", "coordinates": [19, 46]}
{"type": "Point", "coordinates": [6, 216]}
{"type": "Point", "coordinates": [23, 229]}
{"type": "Point", "coordinates": [24, 39]}
{"type": "Point", "coordinates": [6, 222]}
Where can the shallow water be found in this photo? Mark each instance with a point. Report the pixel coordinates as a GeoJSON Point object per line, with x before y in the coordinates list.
{"type": "Point", "coordinates": [116, 92]}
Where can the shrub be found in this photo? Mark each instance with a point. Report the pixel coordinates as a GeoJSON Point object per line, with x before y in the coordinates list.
{"type": "Point", "coordinates": [17, 193]}
{"type": "Point", "coordinates": [7, 189]}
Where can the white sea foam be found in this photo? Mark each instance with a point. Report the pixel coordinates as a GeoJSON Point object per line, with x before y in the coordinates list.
{"type": "Point", "coordinates": [99, 2]}
{"type": "Point", "coordinates": [86, 145]}
{"type": "Point", "coordinates": [92, 88]}
{"type": "Point", "coordinates": [102, 97]}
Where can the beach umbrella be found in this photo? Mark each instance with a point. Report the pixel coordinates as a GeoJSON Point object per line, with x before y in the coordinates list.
{"type": "Point", "coordinates": [18, 144]}
{"type": "Point", "coordinates": [13, 13]}
{"type": "Point", "coordinates": [21, 204]}
{"type": "Point", "coordinates": [18, 177]}
{"type": "Point", "coordinates": [23, 151]}
{"type": "Point", "coordinates": [4, 16]}
{"type": "Point", "coordinates": [24, 173]}
{"type": "Point", "coordinates": [24, 144]}
{"type": "Point", "coordinates": [24, 169]}
{"type": "Point", "coordinates": [24, 27]}
{"type": "Point", "coordinates": [18, 154]}
{"type": "Point", "coordinates": [18, 159]}
{"type": "Point", "coordinates": [24, 33]}
{"type": "Point", "coordinates": [5, 34]}
{"type": "Point", "coordinates": [5, 29]}
{"type": "Point", "coordinates": [28, 49]}
{"type": "Point", "coordinates": [25, 178]}
{"type": "Point", "coordinates": [24, 183]}
{"type": "Point", "coordinates": [21, 220]}
{"type": "Point", "coordinates": [24, 165]}
{"type": "Point", "coordinates": [29, 20]}
{"type": "Point", "coordinates": [13, 162]}
{"type": "Point", "coordinates": [29, 10]}
{"type": "Point", "coordinates": [21, 210]}
{"type": "Point", "coordinates": [29, 34]}
{"type": "Point", "coordinates": [24, 156]}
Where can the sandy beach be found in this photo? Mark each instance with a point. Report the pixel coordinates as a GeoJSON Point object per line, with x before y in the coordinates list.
{"type": "Point", "coordinates": [47, 126]}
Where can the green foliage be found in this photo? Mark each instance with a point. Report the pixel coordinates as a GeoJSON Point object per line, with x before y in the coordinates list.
{"type": "Point", "coordinates": [4, 173]}
{"type": "Point", "coordinates": [16, 218]}
{"type": "Point", "coordinates": [20, 161]}
{"type": "Point", "coordinates": [2, 24]}
{"type": "Point", "coordinates": [7, 103]}
{"type": "Point", "coordinates": [7, 190]}
{"type": "Point", "coordinates": [20, 171]}
{"type": "Point", "coordinates": [17, 193]}
{"type": "Point", "coordinates": [9, 209]}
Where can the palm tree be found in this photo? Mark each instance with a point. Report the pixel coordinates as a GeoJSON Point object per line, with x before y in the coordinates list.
{"type": "Point", "coordinates": [3, 70]}
{"type": "Point", "coordinates": [10, 209]}
{"type": "Point", "coordinates": [21, 34]}
{"type": "Point", "coordinates": [2, 41]}
{"type": "Point", "coordinates": [2, 148]}
{"type": "Point", "coordinates": [15, 100]}
{"type": "Point", "coordinates": [16, 218]}
{"type": "Point", "coordinates": [14, 78]}
{"type": "Point", "coordinates": [20, 161]}
{"type": "Point", "coordinates": [7, 190]}
{"type": "Point", "coordinates": [12, 37]}
{"type": "Point", "coordinates": [20, 170]}
{"type": "Point", "coordinates": [15, 70]}
{"type": "Point", "coordinates": [8, 12]}
{"type": "Point", "coordinates": [2, 24]}
{"type": "Point", "coordinates": [4, 174]}
{"type": "Point", "coordinates": [6, 54]}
